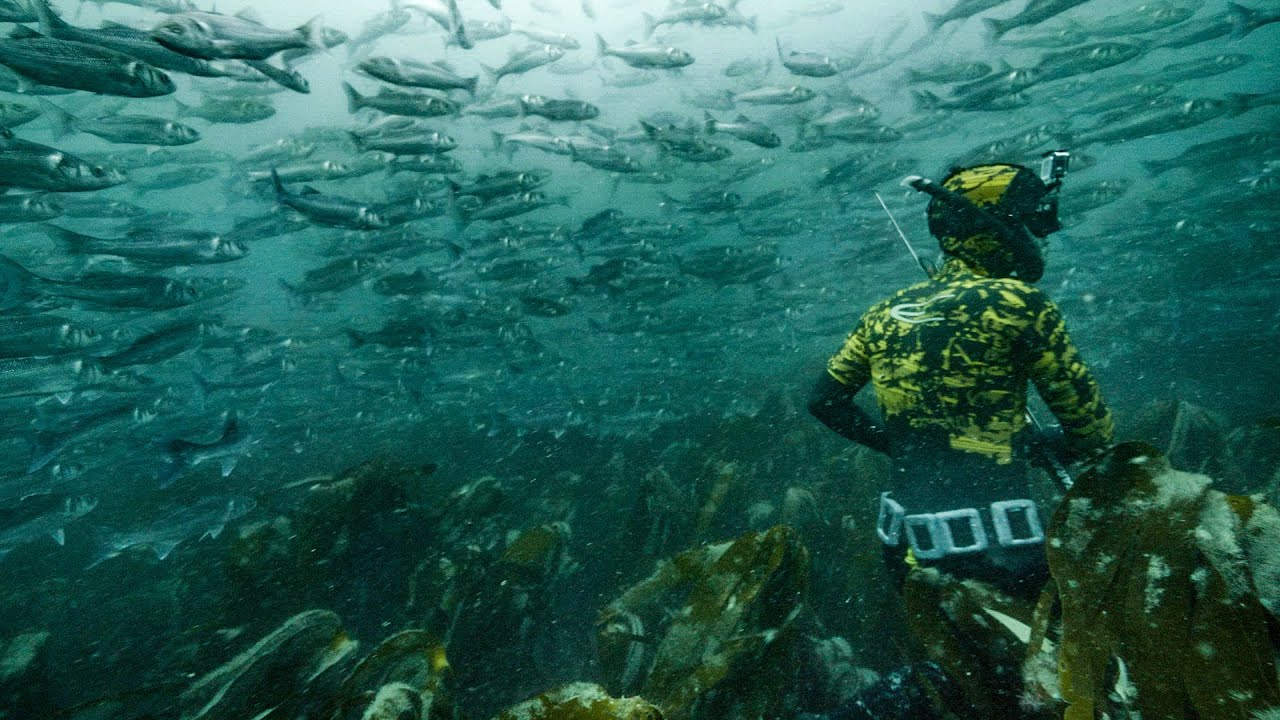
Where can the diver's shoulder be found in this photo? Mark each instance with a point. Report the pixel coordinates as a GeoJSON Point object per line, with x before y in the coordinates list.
{"type": "Point", "coordinates": [1014, 285]}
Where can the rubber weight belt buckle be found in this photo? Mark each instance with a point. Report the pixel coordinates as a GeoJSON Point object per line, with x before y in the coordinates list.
{"type": "Point", "coordinates": [933, 535]}
{"type": "Point", "coordinates": [937, 532]}
{"type": "Point", "coordinates": [889, 520]}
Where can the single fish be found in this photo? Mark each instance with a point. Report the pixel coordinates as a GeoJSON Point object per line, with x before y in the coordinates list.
{"type": "Point", "coordinates": [1036, 11]}
{"type": "Point", "coordinates": [28, 208]}
{"type": "Point", "coordinates": [529, 58]}
{"type": "Point", "coordinates": [329, 210]}
{"type": "Point", "coordinates": [553, 109]}
{"type": "Point", "coordinates": [234, 111]}
{"type": "Point", "coordinates": [39, 167]}
{"type": "Point", "coordinates": [807, 64]}
{"type": "Point", "coordinates": [120, 128]}
{"type": "Point", "coordinates": [40, 516]}
{"type": "Point", "coordinates": [212, 36]}
{"type": "Point", "coordinates": [776, 95]}
{"type": "Point", "coordinates": [960, 11]}
{"type": "Point", "coordinates": [744, 129]}
{"type": "Point", "coordinates": [399, 102]}
{"type": "Point", "coordinates": [646, 56]}
{"type": "Point", "coordinates": [435, 76]}
{"type": "Point", "coordinates": [163, 248]}
{"type": "Point", "coordinates": [81, 66]}
{"type": "Point", "coordinates": [182, 455]}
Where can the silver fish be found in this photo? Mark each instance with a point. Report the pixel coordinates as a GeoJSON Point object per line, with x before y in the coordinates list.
{"type": "Point", "coordinates": [646, 56]}
{"type": "Point", "coordinates": [40, 167]}
{"type": "Point", "coordinates": [80, 66]}
{"type": "Point", "coordinates": [128, 129]}
{"type": "Point", "coordinates": [212, 36]}
{"type": "Point", "coordinates": [436, 76]}
{"type": "Point", "coordinates": [329, 209]}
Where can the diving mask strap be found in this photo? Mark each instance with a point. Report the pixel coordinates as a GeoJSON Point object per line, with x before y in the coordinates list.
{"type": "Point", "coordinates": [1027, 260]}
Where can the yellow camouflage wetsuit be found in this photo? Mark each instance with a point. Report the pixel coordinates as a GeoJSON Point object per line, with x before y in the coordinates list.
{"type": "Point", "coordinates": [949, 359]}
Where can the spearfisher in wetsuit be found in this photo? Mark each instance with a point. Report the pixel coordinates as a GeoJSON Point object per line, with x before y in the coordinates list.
{"type": "Point", "coordinates": [949, 360]}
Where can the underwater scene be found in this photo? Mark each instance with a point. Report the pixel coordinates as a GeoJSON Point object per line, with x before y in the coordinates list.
{"type": "Point", "coordinates": [481, 359]}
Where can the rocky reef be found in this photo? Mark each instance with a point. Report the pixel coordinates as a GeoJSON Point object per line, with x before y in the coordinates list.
{"type": "Point", "coordinates": [581, 579]}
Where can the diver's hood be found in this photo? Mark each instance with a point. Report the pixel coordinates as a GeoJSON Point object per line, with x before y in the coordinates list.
{"type": "Point", "coordinates": [991, 217]}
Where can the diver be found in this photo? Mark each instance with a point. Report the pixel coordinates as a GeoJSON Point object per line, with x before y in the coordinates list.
{"type": "Point", "coordinates": [949, 360]}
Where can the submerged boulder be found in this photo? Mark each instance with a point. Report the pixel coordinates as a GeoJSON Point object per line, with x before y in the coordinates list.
{"type": "Point", "coordinates": [1168, 589]}
{"type": "Point", "coordinates": [714, 632]}
{"type": "Point", "coordinates": [581, 701]}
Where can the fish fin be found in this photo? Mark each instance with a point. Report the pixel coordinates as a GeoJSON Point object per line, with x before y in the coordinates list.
{"type": "Point", "coordinates": [649, 24]}
{"type": "Point", "coordinates": [709, 123]}
{"type": "Point", "coordinates": [64, 123]}
{"type": "Point", "coordinates": [250, 15]}
{"type": "Point", "coordinates": [933, 22]}
{"type": "Point", "coordinates": [22, 32]}
{"type": "Point", "coordinates": [996, 27]}
{"type": "Point", "coordinates": [277, 184]}
{"type": "Point", "coordinates": [213, 532]}
{"type": "Point", "coordinates": [49, 22]}
{"type": "Point", "coordinates": [312, 31]}
{"type": "Point", "coordinates": [59, 536]}
{"type": "Point", "coordinates": [172, 470]}
{"type": "Point", "coordinates": [1243, 20]}
{"type": "Point", "coordinates": [308, 190]}
{"type": "Point", "coordinates": [925, 100]}
{"type": "Point", "coordinates": [601, 46]}
{"type": "Point", "coordinates": [45, 446]}
{"type": "Point", "coordinates": [163, 549]}
{"type": "Point", "coordinates": [357, 340]}
{"type": "Point", "coordinates": [228, 465]}
{"type": "Point", "coordinates": [751, 23]}
{"type": "Point", "coordinates": [183, 108]}
{"type": "Point", "coordinates": [353, 97]}
{"type": "Point", "coordinates": [1240, 102]}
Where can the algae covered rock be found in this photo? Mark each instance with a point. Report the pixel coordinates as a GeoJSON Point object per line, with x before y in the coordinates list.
{"type": "Point", "coordinates": [723, 622]}
{"type": "Point", "coordinates": [581, 701]}
{"type": "Point", "coordinates": [1161, 579]}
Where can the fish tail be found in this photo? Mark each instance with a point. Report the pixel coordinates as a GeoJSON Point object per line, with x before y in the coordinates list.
{"type": "Point", "coordinates": [751, 23]}
{"type": "Point", "coordinates": [276, 183]}
{"type": "Point", "coordinates": [357, 340]}
{"type": "Point", "coordinates": [45, 447]}
{"type": "Point", "coordinates": [1243, 20]}
{"type": "Point", "coordinates": [353, 98]}
{"type": "Point", "coordinates": [312, 32]}
{"type": "Point", "coordinates": [996, 27]}
{"type": "Point", "coordinates": [709, 122]}
{"type": "Point", "coordinates": [1155, 167]}
{"type": "Point", "coordinates": [933, 22]}
{"type": "Point", "coordinates": [925, 100]}
{"type": "Point", "coordinates": [64, 123]}
{"type": "Point", "coordinates": [44, 15]}
{"type": "Point", "coordinates": [1240, 102]}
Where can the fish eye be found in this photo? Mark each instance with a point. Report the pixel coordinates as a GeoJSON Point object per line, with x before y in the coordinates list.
{"type": "Point", "coordinates": [97, 171]}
